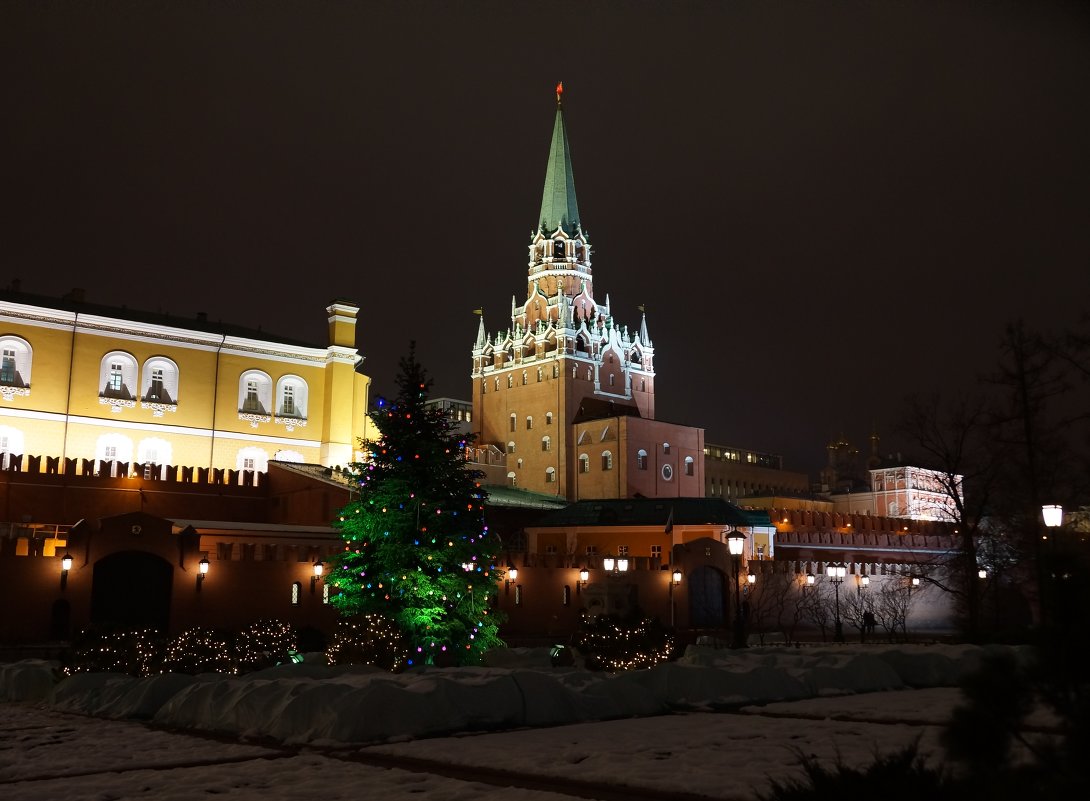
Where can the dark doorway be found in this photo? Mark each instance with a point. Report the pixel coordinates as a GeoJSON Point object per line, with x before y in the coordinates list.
{"type": "Point", "coordinates": [60, 620]}
{"type": "Point", "coordinates": [706, 598]}
{"type": "Point", "coordinates": [132, 590]}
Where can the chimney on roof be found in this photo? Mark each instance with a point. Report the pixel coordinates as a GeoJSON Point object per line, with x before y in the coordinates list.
{"type": "Point", "coordinates": [76, 295]}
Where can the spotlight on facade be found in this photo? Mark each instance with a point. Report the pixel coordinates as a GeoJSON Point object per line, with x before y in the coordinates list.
{"type": "Point", "coordinates": [676, 577]}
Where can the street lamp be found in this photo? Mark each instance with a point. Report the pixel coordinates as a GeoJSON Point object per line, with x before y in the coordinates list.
{"type": "Point", "coordinates": [202, 571]}
{"type": "Point", "coordinates": [317, 569]}
{"type": "Point", "coordinates": [675, 579]}
{"type": "Point", "coordinates": [836, 572]}
{"type": "Point", "coordinates": [810, 579]}
{"type": "Point", "coordinates": [1053, 515]}
{"type": "Point", "coordinates": [862, 584]}
{"type": "Point", "coordinates": [735, 543]}
{"type": "Point", "coordinates": [66, 565]}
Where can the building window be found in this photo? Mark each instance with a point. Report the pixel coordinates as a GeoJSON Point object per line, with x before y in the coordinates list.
{"type": "Point", "coordinates": [497, 383]}
{"type": "Point", "coordinates": [550, 475]}
{"type": "Point", "coordinates": [656, 552]}
{"type": "Point", "coordinates": [529, 423]}
{"type": "Point", "coordinates": [252, 458]}
{"type": "Point", "coordinates": [296, 593]}
{"type": "Point", "coordinates": [540, 375]}
{"type": "Point", "coordinates": [546, 444]}
{"type": "Point", "coordinates": [510, 381]}
{"type": "Point", "coordinates": [584, 463]}
{"type": "Point", "coordinates": [514, 418]}
{"type": "Point", "coordinates": [15, 362]}
{"type": "Point", "coordinates": [524, 378]}
{"type": "Point", "coordinates": [548, 418]}
{"type": "Point", "coordinates": [611, 379]}
{"type": "Point", "coordinates": [7, 367]}
{"type": "Point", "coordinates": [607, 460]}
{"type": "Point", "coordinates": [592, 550]}
{"type": "Point", "coordinates": [511, 479]}
{"type": "Point", "coordinates": [566, 597]}
{"type": "Point", "coordinates": [469, 416]}
{"type": "Point", "coordinates": [556, 371]}
{"type": "Point", "coordinates": [641, 459]}
{"type": "Point", "coordinates": [643, 385]}
{"type": "Point", "coordinates": [118, 377]}
{"type": "Point", "coordinates": [291, 397]}
{"type": "Point", "coordinates": [518, 595]}
{"type": "Point", "coordinates": [519, 464]}
{"type": "Point", "coordinates": [622, 550]}
{"type": "Point", "coordinates": [255, 392]}
{"type": "Point", "coordinates": [160, 382]}
{"type": "Point", "coordinates": [666, 447]}
{"type": "Point", "coordinates": [550, 549]}
{"type": "Point", "coordinates": [689, 465]}
{"type": "Point", "coordinates": [510, 447]}
{"type": "Point", "coordinates": [325, 593]}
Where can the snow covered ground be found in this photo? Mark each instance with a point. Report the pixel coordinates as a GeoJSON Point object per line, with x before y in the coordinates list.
{"type": "Point", "coordinates": [523, 731]}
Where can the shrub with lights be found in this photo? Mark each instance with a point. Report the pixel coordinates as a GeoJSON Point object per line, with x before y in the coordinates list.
{"type": "Point", "coordinates": [199, 650]}
{"type": "Point", "coordinates": [265, 643]}
{"type": "Point", "coordinates": [417, 550]}
{"type": "Point", "coordinates": [136, 652]}
{"type": "Point", "coordinates": [369, 640]}
{"type": "Point", "coordinates": [612, 644]}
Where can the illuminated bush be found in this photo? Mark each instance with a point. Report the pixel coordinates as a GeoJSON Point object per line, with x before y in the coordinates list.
{"type": "Point", "coordinates": [264, 644]}
{"type": "Point", "coordinates": [136, 652]}
{"type": "Point", "coordinates": [199, 650]}
{"type": "Point", "coordinates": [368, 640]}
{"type": "Point", "coordinates": [608, 643]}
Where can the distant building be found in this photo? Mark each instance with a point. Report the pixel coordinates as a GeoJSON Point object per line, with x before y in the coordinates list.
{"type": "Point", "coordinates": [737, 474]}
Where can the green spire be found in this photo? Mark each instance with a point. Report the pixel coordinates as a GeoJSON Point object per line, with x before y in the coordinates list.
{"type": "Point", "coordinates": [558, 204]}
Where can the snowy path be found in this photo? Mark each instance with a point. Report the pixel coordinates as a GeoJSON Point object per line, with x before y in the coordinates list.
{"type": "Point", "coordinates": [54, 755]}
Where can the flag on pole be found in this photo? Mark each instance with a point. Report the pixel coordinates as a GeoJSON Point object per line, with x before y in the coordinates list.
{"type": "Point", "coordinates": [670, 521]}
{"type": "Point", "coordinates": [479, 311]}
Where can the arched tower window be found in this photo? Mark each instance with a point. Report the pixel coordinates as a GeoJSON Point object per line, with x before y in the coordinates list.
{"type": "Point", "coordinates": [607, 460]}
{"type": "Point", "coordinates": [510, 381]}
{"type": "Point", "coordinates": [641, 459]}
{"type": "Point", "coordinates": [511, 479]}
{"type": "Point", "coordinates": [510, 447]}
{"type": "Point", "coordinates": [558, 249]}
{"type": "Point", "coordinates": [514, 421]}
{"type": "Point", "coordinates": [529, 423]}
{"type": "Point", "coordinates": [689, 466]}
{"type": "Point", "coordinates": [584, 463]}
{"type": "Point", "coordinates": [550, 475]}
{"type": "Point", "coordinates": [548, 418]}
{"type": "Point", "coordinates": [546, 443]}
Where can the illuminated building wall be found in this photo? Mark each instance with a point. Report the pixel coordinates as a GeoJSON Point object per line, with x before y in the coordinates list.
{"type": "Point", "coordinates": [79, 381]}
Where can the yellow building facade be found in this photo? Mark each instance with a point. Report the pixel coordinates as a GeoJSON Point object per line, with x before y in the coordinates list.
{"type": "Point", "coordinates": [82, 382]}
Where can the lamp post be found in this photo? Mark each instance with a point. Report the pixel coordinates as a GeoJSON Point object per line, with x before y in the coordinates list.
{"type": "Point", "coordinates": [675, 579]}
{"type": "Point", "coordinates": [66, 565]}
{"type": "Point", "coordinates": [735, 543]}
{"type": "Point", "coordinates": [316, 573]}
{"type": "Point", "coordinates": [202, 571]}
{"type": "Point", "coordinates": [836, 572]}
{"type": "Point", "coordinates": [584, 577]}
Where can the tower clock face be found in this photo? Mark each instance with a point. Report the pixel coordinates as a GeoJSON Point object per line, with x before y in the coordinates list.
{"type": "Point", "coordinates": [667, 472]}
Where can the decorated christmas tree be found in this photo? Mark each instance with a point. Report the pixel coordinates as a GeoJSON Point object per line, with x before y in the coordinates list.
{"type": "Point", "coordinates": [417, 550]}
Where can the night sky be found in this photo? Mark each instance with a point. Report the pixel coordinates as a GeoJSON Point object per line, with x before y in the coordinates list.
{"type": "Point", "coordinates": [823, 206]}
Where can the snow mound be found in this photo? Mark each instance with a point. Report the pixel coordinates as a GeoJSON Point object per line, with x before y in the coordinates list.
{"type": "Point", "coordinates": [315, 703]}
